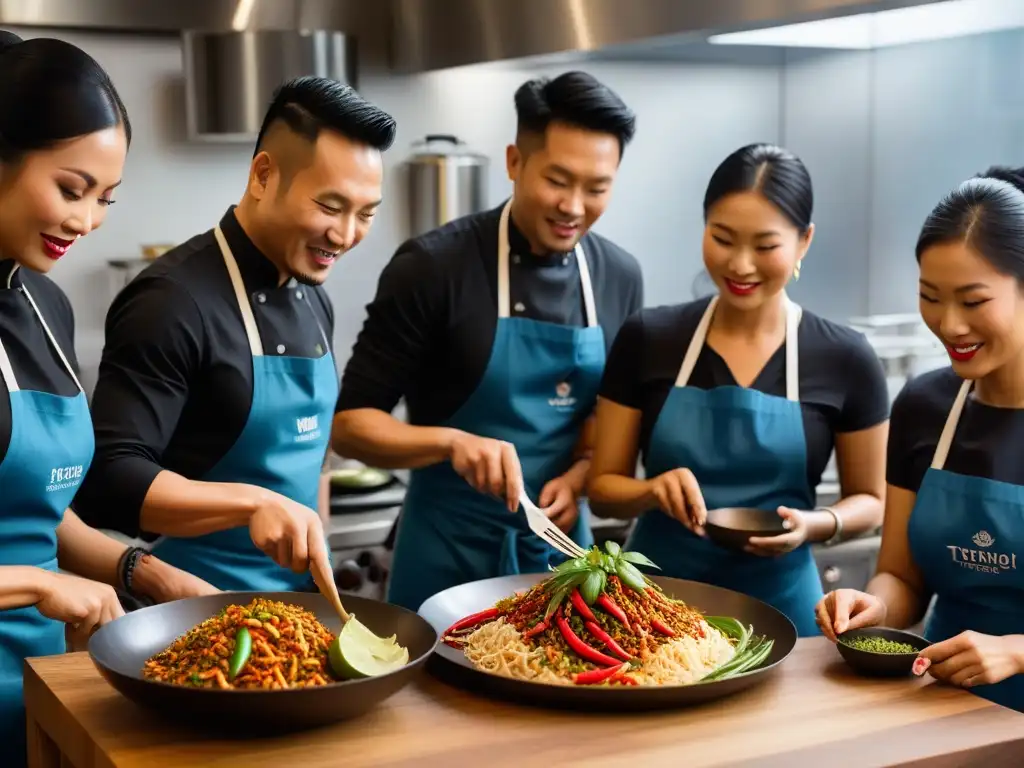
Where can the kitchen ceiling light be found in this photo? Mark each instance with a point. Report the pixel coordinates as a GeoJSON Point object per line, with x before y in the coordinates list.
{"type": "Point", "coordinates": [935, 21]}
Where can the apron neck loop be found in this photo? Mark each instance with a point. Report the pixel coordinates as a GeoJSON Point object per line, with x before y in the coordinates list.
{"type": "Point", "coordinates": [504, 301]}
{"type": "Point", "coordinates": [949, 430]}
{"type": "Point", "coordinates": [7, 371]}
{"type": "Point", "coordinates": [793, 315]}
{"type": "Point", "coordinates": [248, 319]}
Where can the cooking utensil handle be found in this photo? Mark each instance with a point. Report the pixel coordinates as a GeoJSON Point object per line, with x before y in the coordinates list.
{"type": "Point", "coordinates": [324, 578]}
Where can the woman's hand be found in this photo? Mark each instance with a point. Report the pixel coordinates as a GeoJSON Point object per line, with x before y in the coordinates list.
{"type": "Point", "coordinates": [82, 604]}
{"type": "Point", "coordinates": [846, 609]}
{"type": "Point", "coordinates": [678, 495]}
{"type": "Point", "coordinates": [971, 659]}
{"type": "Point", "coordinates": [795, 524]}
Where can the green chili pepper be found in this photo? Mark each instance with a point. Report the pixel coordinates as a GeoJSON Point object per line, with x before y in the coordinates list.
{"type": "Point", "coordinates": [243, 647]}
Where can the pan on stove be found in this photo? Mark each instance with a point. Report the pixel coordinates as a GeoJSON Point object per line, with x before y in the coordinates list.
{"type": "Point", "coordinates": [451, 665]}
{"type": "Point", "coordinates": [119, 650]}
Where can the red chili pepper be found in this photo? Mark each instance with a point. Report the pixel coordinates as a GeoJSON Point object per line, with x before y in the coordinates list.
{"type": "Point", "coordinates": [582, 649]}
{"type": "Point", "coordinates": [606, 602]}
{"type": "Point", "coordinates": [599, 675]}
{"type": "Point", "coordinates": [607, 640]}
{"type": "Point", "coordinates": [536, 629]}
{"type": "Point", "coordinates": [470, 621]}
{"type": "Point", "coordinates": [659, 627]}
{"type": "Point", "coordinates": [581, 606]}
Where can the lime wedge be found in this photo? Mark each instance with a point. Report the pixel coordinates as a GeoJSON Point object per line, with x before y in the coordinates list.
{"type": "Point", "coordinates": [357, 652]}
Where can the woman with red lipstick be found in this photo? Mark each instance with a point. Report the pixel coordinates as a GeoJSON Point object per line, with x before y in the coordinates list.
{"type": "Point", "coordinates": [61, 155]}
{"type": "Point", "coordinates": [739, 400]}
{"type": "Point", "coordinates": [954, 516]}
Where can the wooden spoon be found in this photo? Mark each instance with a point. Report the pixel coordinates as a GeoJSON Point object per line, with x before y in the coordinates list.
{"type": "Point", "coordinates": [320, 567]}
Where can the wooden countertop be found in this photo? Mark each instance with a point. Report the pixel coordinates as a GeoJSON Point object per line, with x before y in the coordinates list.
{"type": "Point", "coordinates": [814, 712]}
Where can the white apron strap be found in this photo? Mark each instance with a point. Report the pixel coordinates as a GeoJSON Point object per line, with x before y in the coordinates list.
{"type": "Point", "coordinates": [793, 315]}
{"type": "Point", "coordinates": [248, 319]}
{"type": "Point", "coordinates": [948, 431]}
{"type": "Point", "coordinates": [504, 300]}
{"type": "Point", "coordinates": [5, 361]}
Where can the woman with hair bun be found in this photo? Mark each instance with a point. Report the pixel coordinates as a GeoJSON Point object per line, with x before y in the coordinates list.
{"type": "Point", "coordinates": [739, 400]}
{"type": "Point", "coordinates": [954, 516]}
{"type": "Point", "coordinates": [63, 141]}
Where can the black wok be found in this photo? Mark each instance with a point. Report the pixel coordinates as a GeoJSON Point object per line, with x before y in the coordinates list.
{"type": "Point", "coordinates": [120, 649]}
{"type": "Point", "coordinates": [451, 665]}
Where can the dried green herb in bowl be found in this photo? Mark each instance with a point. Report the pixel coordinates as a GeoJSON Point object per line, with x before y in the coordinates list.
{"type": "Point", "coordinates": [877, 644]}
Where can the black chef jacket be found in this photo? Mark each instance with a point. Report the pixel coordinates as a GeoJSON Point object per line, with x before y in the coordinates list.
{"type": "Point", "coordinates": [35, 362]}
{"type": "Point", "coordinates": [429, 330]}
{"type": "Point", "coordinates": [175, 382]}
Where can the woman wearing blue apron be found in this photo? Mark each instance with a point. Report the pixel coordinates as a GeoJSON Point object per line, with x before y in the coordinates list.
{"type": "Point", "coordinates": [69, 116]}
{"type": "Point", "coordinates": [954, 522]}
{"type": "Point", "coordinates": [536, 393]}
{"type": "Point", "coordinates": [750, 416]}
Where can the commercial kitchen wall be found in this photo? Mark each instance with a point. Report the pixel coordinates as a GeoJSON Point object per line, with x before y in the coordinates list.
{"type": "Point", "coordinates": [883, 133]}
{"type": "Point", "coordinates": [689, 119]}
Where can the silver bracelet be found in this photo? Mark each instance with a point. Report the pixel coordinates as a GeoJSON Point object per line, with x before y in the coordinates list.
{"type": "Point", "coordinates": [838, 535]}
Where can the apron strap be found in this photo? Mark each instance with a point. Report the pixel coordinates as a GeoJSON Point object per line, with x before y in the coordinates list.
{"type": "Point", "coordinates": [949, 430]}
{"type": "Point", "coordinates": [793, 314]}
{"type": "Point", "coordinates": [504, 300]}
{"type": "Point", "coordinates": [5, 361]}
{"type": "Point", "coordinates": [248, 319]}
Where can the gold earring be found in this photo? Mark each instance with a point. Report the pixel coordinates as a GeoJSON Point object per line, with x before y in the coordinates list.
{"type": "Point", "coordinates": [796, 271]}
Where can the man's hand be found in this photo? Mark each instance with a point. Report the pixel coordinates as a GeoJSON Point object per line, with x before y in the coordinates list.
{"type": "Point", "coordinates": [558, 502]}
{"type": "Point", "coordinates": [164, 583]}
{"type": "Point", "coordinates": [491, 466]}
{"type": "Point", "coordinates": [286, 531]}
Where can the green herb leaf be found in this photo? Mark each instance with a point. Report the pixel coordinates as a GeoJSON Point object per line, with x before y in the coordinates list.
{"type": "Point", "coordinates": [556, 600]}
{"type": "Point", "coordinates": [638, 559]}
{"type": "Point", "coordinates": [630, 576]}
{"type": "Point", "coordinates": [591, 588]}
{"type": "Point", "coordinates": [612, 548]}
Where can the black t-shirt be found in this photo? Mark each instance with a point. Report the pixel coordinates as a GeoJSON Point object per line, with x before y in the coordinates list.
{"type": "Point", "coordinates": [35, 362]}
{"type": "Point", "coordinates": [986, 444]}
{"type": "Point", "coordinates": [175, 381]}
{"type": "Point", "coordinates": [842, 383]}
{"type": "Point", "coordinates": [429, 330]}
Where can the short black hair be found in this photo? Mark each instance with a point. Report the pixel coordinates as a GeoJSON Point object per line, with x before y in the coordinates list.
{"type": "Point", "coordinates": [52, 91]}
{"type": "Point", "coordinates": [309, 105]}
{"type": "Point", "coordinates": [775, 172]}
{"type": "Point", "coordinates": [577, 99]}
{"type": "Point", "coordinates": [987, 213]}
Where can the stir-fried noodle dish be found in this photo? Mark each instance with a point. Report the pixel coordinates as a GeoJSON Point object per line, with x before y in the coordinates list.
{"type": "Point", "coordinates": [597, 620]}
{"type": "Point", "coordinates": [262, 645]}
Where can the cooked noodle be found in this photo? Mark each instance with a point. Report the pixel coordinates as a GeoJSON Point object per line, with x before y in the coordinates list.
{"type": "Point", "coordinates": [498, 647]}
{"type": "Point", "coordinates": [627, 631]}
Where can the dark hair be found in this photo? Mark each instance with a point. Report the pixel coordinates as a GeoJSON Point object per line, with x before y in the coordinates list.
{"type": "Point", "coordinates": [987, 213]}
{"type": "Point", "coordinates": [577, 99]}
{"type": "Point", "coordinates": [776, 173]}
{"type": "Point", "coordinates": [52, 91]}
{"type": "Point", "coordinates": [309, 105]}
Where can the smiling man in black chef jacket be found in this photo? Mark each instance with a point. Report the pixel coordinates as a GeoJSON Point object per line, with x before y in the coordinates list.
{"type": "Point", "coordinates": [494, 328]}
{"type": "Point", "coordinates": [217, 383]}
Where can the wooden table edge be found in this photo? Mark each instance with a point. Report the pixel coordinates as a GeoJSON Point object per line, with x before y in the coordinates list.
{"type": "Point", "coordinates": [53, 732]}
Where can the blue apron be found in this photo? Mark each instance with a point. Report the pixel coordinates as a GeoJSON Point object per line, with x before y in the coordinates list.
{"type": "Point", "coordinates": [539, 387]}
{"type": "Point", "coordinates": [746, 449]}
{"type": "Point", "coordinates": [963, 534]}
{"type": "Point", "coordinates": [281, 448]}
{"type": "Point", "coordinates": [50, 450]}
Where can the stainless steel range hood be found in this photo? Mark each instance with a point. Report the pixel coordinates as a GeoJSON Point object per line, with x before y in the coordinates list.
{"type": "Point", "coordinates": [420, 35]}
{"type": "Point", "coordinates": [474, 31]}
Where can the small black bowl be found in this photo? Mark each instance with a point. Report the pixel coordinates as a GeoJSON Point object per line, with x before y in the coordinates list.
{"type": "Point", "coordinates": [732, 527]}
{"type": "Point", "coordinates": [881, 664]}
